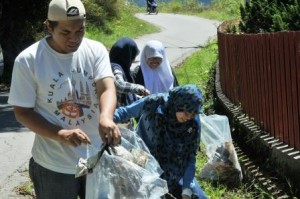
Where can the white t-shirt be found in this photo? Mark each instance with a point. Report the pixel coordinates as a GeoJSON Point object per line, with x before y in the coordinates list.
{"type": "Point", "coordinates": [61, 87]}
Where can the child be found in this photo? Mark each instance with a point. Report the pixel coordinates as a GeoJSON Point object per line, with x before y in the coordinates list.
{"type": "Point", "coordinates": [122, 55]}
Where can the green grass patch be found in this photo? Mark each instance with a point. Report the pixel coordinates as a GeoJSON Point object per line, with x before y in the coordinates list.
{"type": "Point", "coordinates": [221, 10]}
{"type": "Point", "coordinates": [196, 69]}
{"type": "Point", "coordinates": [125, 26]}
{"type": "Point", "coordinates": [199, 69]}
{"type": "Point", "coordinates": [26, 189]}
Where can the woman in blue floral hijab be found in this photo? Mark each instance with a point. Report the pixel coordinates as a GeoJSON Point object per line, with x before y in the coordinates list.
{"type": "Point", "coordinates": [169, 125]}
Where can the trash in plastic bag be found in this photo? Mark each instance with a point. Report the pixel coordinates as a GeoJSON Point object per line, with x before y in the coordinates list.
{"type": "Point", "coordinates": [126, 171]}
{"type": "Point", "coordinates": [222, 165]}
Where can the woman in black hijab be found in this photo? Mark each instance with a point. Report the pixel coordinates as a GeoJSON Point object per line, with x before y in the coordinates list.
{"type": "Point", "coordinates": [122, 55]}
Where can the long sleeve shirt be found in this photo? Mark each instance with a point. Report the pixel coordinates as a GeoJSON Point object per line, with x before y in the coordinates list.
{"type": "Point", "coordinates": [126, 91]}
{"type": "Point", "coordinates": [177, 156]}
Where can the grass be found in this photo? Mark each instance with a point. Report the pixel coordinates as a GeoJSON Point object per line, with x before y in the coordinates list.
{"type": "Point", "coordinates": [125, 26]}
{"type": "Point", "coordinates": [199, 69]}
{"type": "Point", "coordinates": [196, 69]}
{"type": "Point", "coordinates": [26, 189]}
{"type": "Point", "coordinates": [221, 10]}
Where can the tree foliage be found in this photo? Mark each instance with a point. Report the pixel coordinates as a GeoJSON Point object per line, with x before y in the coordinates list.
{"type": "Point", "coordinates": [99, 12]}
{"type": "Point", "coordinates": [258, 16]}
{"type": "Point", "coordinates": [21, 24]}
{"type": "Point", "coordinates": [230, 7]}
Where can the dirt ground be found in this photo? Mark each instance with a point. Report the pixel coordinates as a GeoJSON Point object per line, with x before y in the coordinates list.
{"type": "Point", "coordinates": [14, 185]}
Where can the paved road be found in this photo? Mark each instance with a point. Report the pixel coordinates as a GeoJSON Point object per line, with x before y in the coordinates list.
{"type": "Point", "coordinates": [181, 35]}
{"type": "Point", "coordinates": [15, 141]}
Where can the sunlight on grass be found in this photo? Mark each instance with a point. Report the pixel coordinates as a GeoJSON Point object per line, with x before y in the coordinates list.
{"type": "Point", "coordinates": [196, 69]}
{"type": "Point", "coordinates": [125, 26]}
{"type": "Point", "coordinates": [221, 10]}
{"type": "Point", "coordinates": [26, 189]}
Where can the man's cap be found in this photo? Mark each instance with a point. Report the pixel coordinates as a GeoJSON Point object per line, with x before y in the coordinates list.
{"type": "Point", "coordinates": [65, 10]}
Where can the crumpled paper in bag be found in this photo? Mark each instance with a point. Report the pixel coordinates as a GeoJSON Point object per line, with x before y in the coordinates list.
{"type": "Point", "coordinates": [223, 165]}
{"type": "Point", "coordinates": [126, 171]}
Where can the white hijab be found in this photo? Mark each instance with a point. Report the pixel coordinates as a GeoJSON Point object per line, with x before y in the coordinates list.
{"type": "Point", "coordinates": [160, 79]}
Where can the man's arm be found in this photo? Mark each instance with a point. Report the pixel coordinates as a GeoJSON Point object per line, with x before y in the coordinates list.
{"type": "Point", "coordinates": [38, 124]}
{"type": "Point", "coordinates": [108, 130]}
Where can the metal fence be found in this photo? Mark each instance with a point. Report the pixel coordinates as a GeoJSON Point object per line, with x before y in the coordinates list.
{"type": "Point", "coordinates": [261, 74]}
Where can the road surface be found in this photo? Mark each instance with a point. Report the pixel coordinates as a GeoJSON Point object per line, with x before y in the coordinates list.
{"type": "Point", "coordinates": [181, 35]}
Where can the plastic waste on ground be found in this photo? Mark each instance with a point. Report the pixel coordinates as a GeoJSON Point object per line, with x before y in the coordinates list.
{"type": "Point", "coordinates": [222, 166]}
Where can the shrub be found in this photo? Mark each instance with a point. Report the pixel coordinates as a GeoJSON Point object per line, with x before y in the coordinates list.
{"type": "Point", "coordinates": [258, 16]}
{"type": "Point", "coordinates": [100, 12]}
{"type": "Point", "coordinates": [21, 24]}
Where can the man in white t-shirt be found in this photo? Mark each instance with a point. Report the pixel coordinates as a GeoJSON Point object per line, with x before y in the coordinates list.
{"type": "Point", "coordinates": [63, 90]}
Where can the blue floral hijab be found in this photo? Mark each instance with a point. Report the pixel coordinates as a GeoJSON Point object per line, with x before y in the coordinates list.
{"type": "Point", "coordinates": [186, 98]}
{"type": "Point", "coordinates": [173, 142]}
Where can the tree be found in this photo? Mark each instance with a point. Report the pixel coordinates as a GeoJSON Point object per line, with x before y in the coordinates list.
{"type": "Point", "coordinates": [21, 24]}
{"type": "Point", "coordinates": [20, 21]}
{"type": "Point", "coordinates": [259, 16]}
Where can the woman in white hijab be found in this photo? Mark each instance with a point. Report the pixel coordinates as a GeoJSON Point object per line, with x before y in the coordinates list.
{"type": "Point", "coordinates": [155, 72]}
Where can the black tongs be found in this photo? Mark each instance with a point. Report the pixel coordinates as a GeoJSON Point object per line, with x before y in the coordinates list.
{"type": "Point", "coordinates": [104, 147]}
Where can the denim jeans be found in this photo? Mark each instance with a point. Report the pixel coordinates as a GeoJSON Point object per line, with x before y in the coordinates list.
{"type": "Point", "coordinates": [52, 185]}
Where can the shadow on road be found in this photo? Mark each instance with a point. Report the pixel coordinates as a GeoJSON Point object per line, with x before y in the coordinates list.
{"type": "Point", "coordinates": [7, 117]}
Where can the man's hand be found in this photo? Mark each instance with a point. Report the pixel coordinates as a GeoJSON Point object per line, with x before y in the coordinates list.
{"type": "Point", "coordinates": [73, 137]}
{"type": "Point", "coordinates": [109, 131]}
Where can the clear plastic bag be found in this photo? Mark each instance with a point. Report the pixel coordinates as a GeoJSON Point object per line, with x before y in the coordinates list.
{"type": "Point", "coordinates": [222, 165]}
{"type": "Point", "coordinates": [128, 172]}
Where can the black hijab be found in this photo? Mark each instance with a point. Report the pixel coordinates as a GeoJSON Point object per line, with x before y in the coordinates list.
{"type": "Point", "coordinates": [123, 53]}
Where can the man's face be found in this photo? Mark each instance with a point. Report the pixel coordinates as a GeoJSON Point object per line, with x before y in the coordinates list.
{"type": "Point", "coordinates": [66, 36]}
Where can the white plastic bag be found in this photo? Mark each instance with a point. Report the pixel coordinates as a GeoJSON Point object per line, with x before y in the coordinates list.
{"type": "Point", "coordinates": [129, 172]}
{"type": "Point", "coordinates": [223, 165]}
